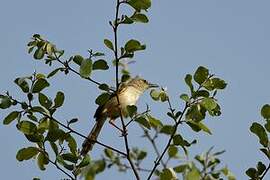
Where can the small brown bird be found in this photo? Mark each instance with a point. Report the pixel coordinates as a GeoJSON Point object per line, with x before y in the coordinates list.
{"type": "Point", "coordinates": [128, 94]}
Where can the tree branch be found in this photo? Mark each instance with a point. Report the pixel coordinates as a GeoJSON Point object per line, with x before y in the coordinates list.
{"type": "Point", "coordinates": [265, 172]}
{"type": "Point", "coordinates": [115, 28]}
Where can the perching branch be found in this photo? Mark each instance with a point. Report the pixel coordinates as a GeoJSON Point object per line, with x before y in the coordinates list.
{"type": "Point", "coordinates": [115, 28]}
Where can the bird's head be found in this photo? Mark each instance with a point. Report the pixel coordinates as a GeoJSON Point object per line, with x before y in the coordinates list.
{"type": "Point", "coordinates": [141, 84]}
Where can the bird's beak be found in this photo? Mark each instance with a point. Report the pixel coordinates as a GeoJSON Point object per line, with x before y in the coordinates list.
{"type": "Point", "coordinates": [153, 85]}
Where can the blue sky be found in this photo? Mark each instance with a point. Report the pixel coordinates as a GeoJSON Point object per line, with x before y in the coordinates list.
{"type": "Point", "coordinates": [231, 38]}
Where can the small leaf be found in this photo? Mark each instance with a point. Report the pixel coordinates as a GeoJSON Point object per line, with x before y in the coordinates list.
{"type": "Point", "coordinates": [109, 44]}
{"type": "Point", "coordinates": [109, 153]}
{"type": "Point", "coordinates": [188, 80]}
{"type": "Point", "coordinates": [5, 102]}
{"type": "Point", "coordinates": [86, 68]}
{"type": "Point", "coordinates": [11, 117]}
{"type": "Point", "coordinates": [104, 87]}
{"type": "Point", "coordinates": [22, 83]}
{"type": "Point", "coordinates": [100, 65]}
{"type": "Point", "coordinates": [134, 45]}
{"type": "Point", "coordinates": [44, 100]}
{"type": "Point", "coordinates": [39, 85]}
{"type": "Point", "coordinates": [172, 151]}
{"type": "Point", "coordinates": [265, 111]}
{"type": "Point", "coordinates": [102, 99]}
{"type": "Point", "coordinates": [42, 160]}
{"type": "Point", "coordinates": [155, 123]}
{"type": "Point", "coordinates": [138, 17]}
{"type": "Point", "coordinates": [168, 174]}
{"type": "Point", "coordinates": [70, 157]}
{"type": "Point", "coordinates": [184, 97]}
{"type": "Point", "coordinates": [201, 75]}
{"type": "Point", "coordinates": [167, 129]}
{"type": "Point", "coordinates": [51, 74]}
{"type": "Point", "coordinates": [59, 99]}
{"type": "Point", "coordinates": [142, 155]}
{"type": "Point", "coordinates": [39, 53]}
{"type": "Point", "coordinates": [72, 144]}
{"type": "Point", "coordinates": [78, 59]}
{"type": "Point", "coordinates": [194, 174]}
{"type": "Point", "coordinates": [258, 129]}
{"type": "Point", "coordinates": [26, 153]}
{"type": "Point", "coordinates": [143, 121]}
{"type": "Point", "coordinates": [154, 94]}
{"type": "Point", "coordinates": [54, 134]}
{"type": "Point", "coordinates": [252, 172]}
{"type": "Point", "coordinates": [261, 168]}
{"type": "Point", "coordinates": [139, 5]}
{"type": "Point", "coordinates": [27, 127]}
{"type": "Point", "coordinates": [54, 148]}
{"type": "Point", "coordinates": [85, 161]}
{"type": "Point", "coordinates": [180, 168]}
{"type": "Point", "coordinates": [209, 104]}
{"type": "Point", "coordinates": [132, 110]}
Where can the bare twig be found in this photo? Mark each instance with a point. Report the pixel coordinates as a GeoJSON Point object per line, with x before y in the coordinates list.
{"type": "Point", "coordinates": [265, 172]}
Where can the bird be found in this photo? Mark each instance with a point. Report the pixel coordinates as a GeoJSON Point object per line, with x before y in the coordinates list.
{"type": "Point", "coordinates": [128, 95]}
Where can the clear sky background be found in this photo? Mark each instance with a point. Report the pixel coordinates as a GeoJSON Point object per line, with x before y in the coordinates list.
{"type": "Point", "coordinates": [229, 37]}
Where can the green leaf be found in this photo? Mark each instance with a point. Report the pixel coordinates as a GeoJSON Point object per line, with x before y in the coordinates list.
{"type": "Point", "coordinates": [261, 168]}
{"type": "Point", "coordinates": [219, 83]}
{"type": "Point", "coordinates": [138, 17]}
{"type": "Point", "coordinates": [11, 117]}
{"type": "Point", "coordinates": [168, 174]}
{"type": "Point", "coordinates": [172, 151]}
{"type": "Point", "coordinates": [42, 160]}
{"type": "Point", "coordinates": [5, 102]}
{"type": "Point", "coordinates": [78, 59]}
{"type": "Point", "coordinates": [109, 44]}
{"type": "Point", "coordinates": [188, 80]}
{"type": "Point", "coordinates": [37, 137]}
{"type": "Point", "coordinates": [139, 5]}
{"type": "Point", "coordinates": [39, 85]}
{"type": "Point", "coordinates": [85, 161]}
{"type": "Point", "coordinates": [154, 94]}
{"type": "Point", "coordinates": [104, 87]}
{"type": "Point", "coordinates": [208, 103]}
{"type": "Point", "coordinates": [142, 155]}
{"type": "Point", "coordinates": [39, 53]}
{"type": "Point", "coordinates": [155, 123]}
{"type": "Point", "coordinates": [86, 68]}
{"type": "Point", "coordinates": [265, 111]}
{"type": "Point", "coordinates": [102, 99]}
{"type": "Point", "coordinates": [72, 144]}
{"type": "Point", "coordinates": [51, 74]}
{"type": "Point", "coordinates": [134, 45]}
{"type": "Point", "coordinates": [132, 110]}
{"type": "Point", "coordinates": [109, 153]}
{"type": "Point", "coordinates": [59, 99]}
{"type": "Point", "coordinates": [100, 64]}
{"type": "Point", "coordinates": [201, 75]}
{"type": "Point", "coordinates": [127, 20]}
{"type": "Point", "coordinates": [198, 126]}
{"type": "Point", "coordinates": [258, 129]}
{"type": "Point", "coordinates": [26, 153]}
{"type": "Point", "coordinates": [54, 134]}
{"type": "Point", "coordinates": [167, 129]}
{"type": "Point", "coordinates": [63, 163]}
{"type": "Point", "coordinates": [70, 157]}
{"type": "Point", "coordinates": [184, 97]}
{"type": "Point", "coordinates": [54, 148]}
{"type": "Point", "coordinates": [44, 100]}
{"type": "Point", "coordinates": [143, 121]}
{"type": "Point", "coordinates": [181, 168]}
{"type": "Point", "coordinates": [252, 172]}
{"type": "Point", "coordinates": [267, 126]}
{"type": "Point", "coordinates": [27, 127]}
{"type": "Point", "coordinates": [22, 83]}
{"type": "Point", "coordinates": [194, 174]}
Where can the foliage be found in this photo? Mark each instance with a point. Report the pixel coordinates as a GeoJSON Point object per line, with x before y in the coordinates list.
{"type": "Point", "coordinates": [54, 141]}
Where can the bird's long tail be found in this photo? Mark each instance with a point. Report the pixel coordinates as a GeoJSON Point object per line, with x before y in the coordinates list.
{"type": "Point", "coordinates": [92, 137]}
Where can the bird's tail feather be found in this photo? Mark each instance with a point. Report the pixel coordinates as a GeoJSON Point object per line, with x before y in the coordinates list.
{"type": "Point", "coordinates": [92, 137]}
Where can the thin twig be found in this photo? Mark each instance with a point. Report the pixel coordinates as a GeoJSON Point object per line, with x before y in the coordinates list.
{"type": "Point", "coordinates": [265, 172]}
{"type": "Point", "coordinates": [157, 162]}
{"type": "Point", "coordinates": [62, 170]}
{"type": "Point", "coordinates": [115, 27]}
{"type": "Point", "coordinates": [153, 142]}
